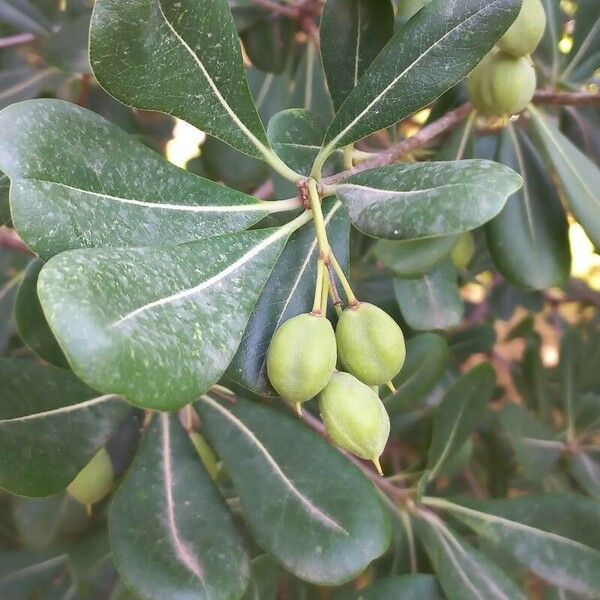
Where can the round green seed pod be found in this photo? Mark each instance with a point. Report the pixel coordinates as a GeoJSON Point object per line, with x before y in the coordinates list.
{"type": "Point", "coordinates": [525, 34]}
{"type": "Point", "coordinates": [463, 251]}
{"type": "Point", "coordinates": [206, 454]}
{"type": "Point", "coordinates": [370, 344]}
{"type": "Point", "coordinates": [94, 481]}
{"type": "Point", "coordinates": [355, 417]}
{"type": "Point", "coordinates": [302, 357]}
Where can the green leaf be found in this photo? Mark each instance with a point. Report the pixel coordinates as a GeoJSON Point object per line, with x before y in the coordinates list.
{"type": "Point", "coordinates": [427, 199]}
{"type": "Point", "coordinates": [579, 176]}
{"type": "Point", "coordinates": [269, 42]}
{"type": "Point", "coordinates": [463, 572]}
{"type": "Point", "coordinates": [585, 51]}
{"type": "Point", "coordinates": [432, 301]}
{"type": "Point", "coordinates": [295, 492]}
{"type": "Point", "coordinates": [51, 425]}
{"type": "Point", "coordinates": [430, 54]}
{"type": "Point", "coordinates": [31, 322]}
{"type": "Point", "coordinates": [571, 351]}
{"type": "Point", "coordinates": [529, 239]}
{"type": "Point", "coordinates": [563, 562]}
{"type": "Point", "coordinates": [406, 587]}
{"type": "Point", "coordinates": [107, 189]}
{"type": "Point", "coordinates": [172, 535]}
{"type": "Point", "coordinates": [411, 259]}
{"type": "Point", "coordinates": [178, 57]}
{"type": "Point", "coordinates": [426, 358]}
{"type": "Point", "coordinates": [456, 416]}
{"type": "Point", "coordinates": [157, 325]}
{"type": "Point", "coordinates": [289, 291]}
{"type": "Point", "coordinates": [534, 445]}
{"type": "Point", "coordinates": [585, 469]}
{"type": "Point", "coordinates": [4, 206]}
{"type": "Point", "coordinates": [353, 32]}
{"type": "Point", "coordinates": [263, 580]}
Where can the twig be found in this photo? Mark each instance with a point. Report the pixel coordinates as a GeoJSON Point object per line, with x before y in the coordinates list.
{"type": "Point", "coordinates": [566, 98]}
{"type": "Point", "coordinates": [10, 239]}
{"type": "Point", "coordinates": [264, 191]}
{"type": "Point", "coordinates": [15, 40]}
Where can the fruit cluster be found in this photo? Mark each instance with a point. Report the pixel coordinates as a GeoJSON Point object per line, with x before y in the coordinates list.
{"type": "Point", "coordinates": [504, 82]}
{"type": "Point", "coordinates": [369, 345]}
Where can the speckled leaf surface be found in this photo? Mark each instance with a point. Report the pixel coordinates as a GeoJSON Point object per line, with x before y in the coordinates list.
{"type": "Point", "coordinates": [429, 199]}
{"type": "Point", "coordinates": [529, 239]}
{"type": "Point", "coordinates": [107, 189]}
{"type": "Point", "coordinates": [181, 57]}
{"type": "Point", "coordinates": [157, 325]}
{"type": "Point", "coordinates": [288, 292]}
{"type": "Point", "coordinates": [353, 32]}
{"type": "Point", "coordinates": [564, 562]}
{"type": "Point", "coordinates": [51, 425]}
{"type": "Point", "coordinates": [427, 56]}
{"type": "Point", "coordinates": [579, 176]}
{"type": "Point", "coordinates": [405, 587]}
{"type": "Point", "coordinates": [294, 492]}
{"type": "Point", "coordinates": [172, 535]}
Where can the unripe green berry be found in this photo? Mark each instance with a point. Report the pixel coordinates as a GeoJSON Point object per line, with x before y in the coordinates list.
{"type": "Point", "coordinates": [302, 357]}
{"type": "Point", "coordinates": [355, 417]}
{"type": "Point", "coordinates": [370, 344]}
{"type": "Point", "coordinates": [525, 34]}
{"type": "Point", "coordinates": [94, 481]}
{"type": "Point", "coordinates": [206, 454]}
{"type": "Point", "coordinates": [463, 251]}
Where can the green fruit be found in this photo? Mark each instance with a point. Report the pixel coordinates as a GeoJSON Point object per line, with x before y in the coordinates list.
{"type": "Point", "coordinates": [527, 31]}
{"type": "Point", "coordinates": [94, 481]}
{"type": "Point", "coordinates": [502, 85]}
{"type": "Point", "coordinates": [302, 357]}
{"type": "Point", "coordinates": [370, 344]}
{"type": "Point", "coordinates": [463, 251]}
{"type": "Point", "coordinates": [355, 417]}
{"type": "Point", "coordinates": [206, 454]}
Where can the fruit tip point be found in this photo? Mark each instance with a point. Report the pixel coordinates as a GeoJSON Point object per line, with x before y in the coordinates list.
{"type": "Point", "coordinates": [378, 466]}
{"type": "Point", "coordinates": [298, 406]}
{"type": "Point", "coordinates": [391, 387]}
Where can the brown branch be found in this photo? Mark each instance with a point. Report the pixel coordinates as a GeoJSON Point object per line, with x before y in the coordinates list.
{"type": "Point", "coordinates": [566, 98]}
{"type": "Point", "coordinates": [15, 40]}
{"type": "Point", "coordinates": [10, 239]}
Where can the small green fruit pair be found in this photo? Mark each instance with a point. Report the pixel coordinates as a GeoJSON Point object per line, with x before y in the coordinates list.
{"type": "Point", "coordinates": [94, 481]}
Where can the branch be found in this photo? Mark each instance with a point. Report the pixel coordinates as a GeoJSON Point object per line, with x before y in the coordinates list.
{"type": "Point", "coordinates": [566, 98]}
{"type": "Point", "coordinates": [15, 40]}
{"type": "Point", "coordinates": [10, 239]}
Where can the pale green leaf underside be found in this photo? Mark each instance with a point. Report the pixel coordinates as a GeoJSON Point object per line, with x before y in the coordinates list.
{"type": "Point", "coordinates": [293, 489]}
{"type": "Point", "coordinates": [157, 325]}
{"type": "Point", "coordinates": [172, 535]}
{"type": "Point", "coordinates": [420, 200]}
{"type": "Point", "coordinates": [181, 57]}
{"type": "Point", "coordinates": [51, 425]}
{"type": "Point", "coordinates": [107, 189]}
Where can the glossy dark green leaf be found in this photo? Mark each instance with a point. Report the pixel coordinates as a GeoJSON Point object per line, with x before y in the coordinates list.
{"type": "Point", "coordinates": [269, 41]}
{"type": "Point", "coordinates": [288, 292]}
{"type": "Point", "coordinates": [24, 82]}
{"type": "Point", "coordinates": [31, 322]}
{"type": "Point", "coordinates": [172, 535]}
{"type": "Point", "coordinates": [585, 469]}
{"type": "Point", "coordinates": [428, 55]}
{"type": "Point", "coordinates": [4, 206]}
{"type": "Point", "coordinates": [181, 58]}
{"type": "Point", "coordinates": [427, 199]}
{"type": "Point", "coordinates": [464, 573]}
{"type": "Point", "coordinates": [353, 32]}
{"type": "Point", "coordinates": [471, 340]}
{"type": "Point", "coordinates": [263, 580]}
{"type": "Point", "coordinates": [293, 489]}
{"type": "Point", "coordinates": [157, 325]}
{"type": "Point", "coordinates": [405, 587]}
{"type": "Point", "coordinates": [107, 189]}
{"type": "Point", "coordinates": [432, 301]}
{"type": "Point", "coordinates": [529, 239]}
{"type": "Point", "coordinates": [563, 562]}
{"type": "Point", "coordinates": [426, 358]}
{"type": "Point", "coordinates": [51, 426]}
{"type": "Point", "coordinates": [411, 259]}
{"type": "Point", "coordinates": [457, 415]}
{"type": "Point", "coordinates": [579, 176]}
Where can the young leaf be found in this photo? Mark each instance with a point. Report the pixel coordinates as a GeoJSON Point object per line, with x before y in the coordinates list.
{"type": "Point", "coordinates": [563, 562]}
{"type": "Point", "coordinates": [172, 535]}
{"type": "Point", "coordinates": [157, 325]}
{"type": "Point", "coordinates": [529, 239]}
{"type": "Point", "coordinates": [178, 57]}
{"type": "Point", "coordinates": [432, 301]}
{"type": "Point", "coordinates": [406, 587]}
{"type": "Point", "coordinates": [51, 425]}
{"type": "Point", "coordinates": [430, 54]}
{"type": "Point", "coordinates": [456, 416]}
{"type": "Point", "coordinates": [579, 176]}
{"type": "Point", "coordinates": [427, 199]}
{"type": "Point", "coordinates": [289, 291]}
{"type": "Point", "coordinates": [31, 322]}
{"type": "Point", "coordinates": [107, 189]}
{"type": "Point", "coordinates": [353, 32]}
{"type": "Point", "coordinates": [585, 469]}
{"type": "Point", "coordinates": [463, 572]}
{"type": "Point", "coordinates": [304, 502]}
